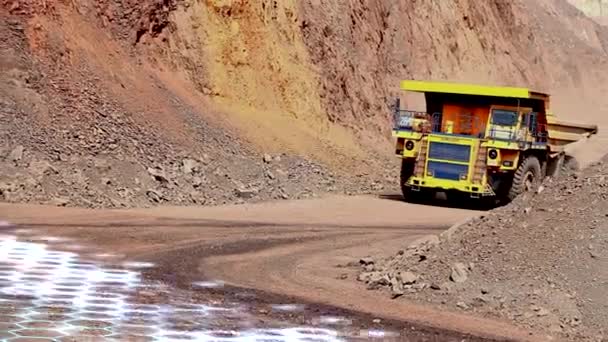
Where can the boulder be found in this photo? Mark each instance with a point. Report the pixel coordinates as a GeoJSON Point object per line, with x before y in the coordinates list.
{"type": "Point", "coordinates": [459, 273]}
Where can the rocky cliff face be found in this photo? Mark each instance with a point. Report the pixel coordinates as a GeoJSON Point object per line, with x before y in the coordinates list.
{"type": "Point", "coordinates": [157, 82]}
{"type": "Point", "coordinates": [364, 48]}
{"type": "Point", "coordinates": [304, 70]}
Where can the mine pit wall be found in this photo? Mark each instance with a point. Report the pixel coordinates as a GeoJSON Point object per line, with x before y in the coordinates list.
{"type": "Point", "coordinates": [257, 67]}
{"type": "Point", "coordinates": [250, 60]}
{"type": "Point", "coordinates": [365, 48]}
{"type": "Point", "coordinates": [318, 77]}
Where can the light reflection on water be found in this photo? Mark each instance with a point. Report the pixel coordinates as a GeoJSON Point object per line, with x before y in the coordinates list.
{"type": "Point", "coordinates": [58, 295]}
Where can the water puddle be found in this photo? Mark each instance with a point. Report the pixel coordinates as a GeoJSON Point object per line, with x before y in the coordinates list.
{"type": "Point", "coordinates": [56, 294]}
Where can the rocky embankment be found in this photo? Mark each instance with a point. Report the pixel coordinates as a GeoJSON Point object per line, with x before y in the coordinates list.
{"type": "Point", "coordinates": [541, 261]}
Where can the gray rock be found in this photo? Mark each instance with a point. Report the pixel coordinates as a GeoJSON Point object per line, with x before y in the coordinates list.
{"type": "Point", "coordinates": [246, 193]}
{"type": "Point", "coordinates": [369, 268]}
{"type": "Point", "coordinates": [407, 278]}
{"type": "Point", "coordinates": [6, 186]}
{"type": "Point", "coordinates": [154, 195]}
{"type": "Point", "coordinates": [16, 154]}
{"type": "Point", "coordinates": [364, 276]}
{"type": "Point", "coordinates": [267, 158]}
{"type": "Point", "coordinates": [116, 203]}
{"type": "Point", "coordinates": [459, 273]}
{"type": "Point", "coordinates": [40, 168]}
{"type": "Point", "coordinates": [397, 289]}
{"type": "Point", "coordinates": [420, 286]}
{"type": "Point", "coordinates": [59, 201]}
{"type": "Point", "coordinates": [542, 312]}
{"type": "Point", "coordinates": [102, 165]}
{"type": "Point", "coordinates": [282, 173]}
{"type": "Point", "coordinates": [197, 182]}
{"type": "Point", "coordinates": [462, 305]}
{"type": "Point", "coordinates": [366, 261]}
{"type": "Point", "coordinates": [158, 175]}
{"type": "Point", "coordinates": [377, 279]}
{"type": "Point", "coordinates": [189, 166]}
{"type": "Point", "coordinates": [5, 189]}
{"type": "Point", "coordinates": [481, 300]}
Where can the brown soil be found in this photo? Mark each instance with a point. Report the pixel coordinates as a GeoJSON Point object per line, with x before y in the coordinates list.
{"type": "Point", "coordinates": [130, 103]}
{"type": "Point", "coordinates": [539, 261]}
{"type": "Point", "coordinates": [284, 252]}
{"type": "Point", "coordinates": [94, 128]}
{"type": "Point", "coordinates": [113, 104]}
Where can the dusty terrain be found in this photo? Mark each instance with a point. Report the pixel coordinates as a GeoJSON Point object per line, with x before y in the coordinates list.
{"type": "Point", "coordinates": [285, 252]}
{"type": "Point", "coordinates": [129, 103]}
{"type": "Point", "coordinates": [540, 261]}
{"type": "Point", "coordinates": [75, 144]}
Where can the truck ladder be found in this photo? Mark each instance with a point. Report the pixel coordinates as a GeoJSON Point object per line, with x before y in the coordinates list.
{"type": "Point", "coordinates": [479, 170]}
{"type": "Point", "coordinates": [421, 159]}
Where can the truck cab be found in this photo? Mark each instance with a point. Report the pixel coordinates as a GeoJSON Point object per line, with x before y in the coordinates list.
{"type": "Point", "coordinates": [481, 141]}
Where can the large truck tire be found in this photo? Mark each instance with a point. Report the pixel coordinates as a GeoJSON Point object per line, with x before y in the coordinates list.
{"type": "Point", "coordinates": [527, 177]}
{"type": "Point", "coordinates": [422, 195]}
{"type": "Point", "coordinates": [407, 170]}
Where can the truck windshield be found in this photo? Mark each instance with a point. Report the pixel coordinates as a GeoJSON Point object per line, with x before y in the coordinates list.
{"type": "Point", "coordinates": [504, 117]}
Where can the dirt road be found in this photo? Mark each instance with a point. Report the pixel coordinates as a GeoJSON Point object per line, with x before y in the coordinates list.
{"type": "Point", "coordinates": [284, 252]}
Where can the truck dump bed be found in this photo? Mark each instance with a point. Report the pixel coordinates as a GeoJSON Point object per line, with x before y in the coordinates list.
{"type": "Point", "coordinates": [561, 132]}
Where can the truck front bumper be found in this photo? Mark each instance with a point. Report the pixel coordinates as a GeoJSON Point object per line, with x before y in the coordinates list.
{"type": "Point", "coordinates": [476, 190]}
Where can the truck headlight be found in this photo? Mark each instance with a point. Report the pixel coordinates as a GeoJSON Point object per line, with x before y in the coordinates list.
{"type": "Point", "coordinates": [409, 145]}
{"type": "Point", "coordinates": [493, 154]}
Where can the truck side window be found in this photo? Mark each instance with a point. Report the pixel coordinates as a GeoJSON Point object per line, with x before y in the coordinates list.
{"type": "Point", "coordinates": [504, 117]}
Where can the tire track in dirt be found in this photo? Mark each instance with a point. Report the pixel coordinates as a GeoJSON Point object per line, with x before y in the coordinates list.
{"type": "Point", "coordinates": [270, 253]}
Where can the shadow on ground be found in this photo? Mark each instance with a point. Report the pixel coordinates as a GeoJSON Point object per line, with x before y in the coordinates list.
{"type": "Point", "coordinates": [444, 202]}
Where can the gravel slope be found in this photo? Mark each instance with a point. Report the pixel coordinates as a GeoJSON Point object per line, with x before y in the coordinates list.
{"type": "Point", "coordinates": [540, 261]}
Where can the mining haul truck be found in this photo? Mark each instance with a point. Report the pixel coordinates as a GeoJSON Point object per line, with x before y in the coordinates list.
{"type": "Point", "coordinates": [479, 141]}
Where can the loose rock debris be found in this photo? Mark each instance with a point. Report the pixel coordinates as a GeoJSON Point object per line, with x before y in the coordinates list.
{"type": "Point", "coordinates": [540, 261]}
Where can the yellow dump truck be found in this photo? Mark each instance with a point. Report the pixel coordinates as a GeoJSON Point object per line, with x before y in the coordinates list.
{"type": "Point", "coordinates": [482, 141]}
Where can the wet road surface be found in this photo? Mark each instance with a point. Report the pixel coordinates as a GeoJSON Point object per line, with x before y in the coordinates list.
{"type": "Point", "coordinates": [65, 296]}
{"type": "Point", "coordinates": [148, 275]}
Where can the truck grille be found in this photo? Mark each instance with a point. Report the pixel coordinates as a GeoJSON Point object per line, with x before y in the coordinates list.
{"type": "Point", "coordinates": [445, 151]}
{"type": "Point", "coordinates": [447, 170]}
